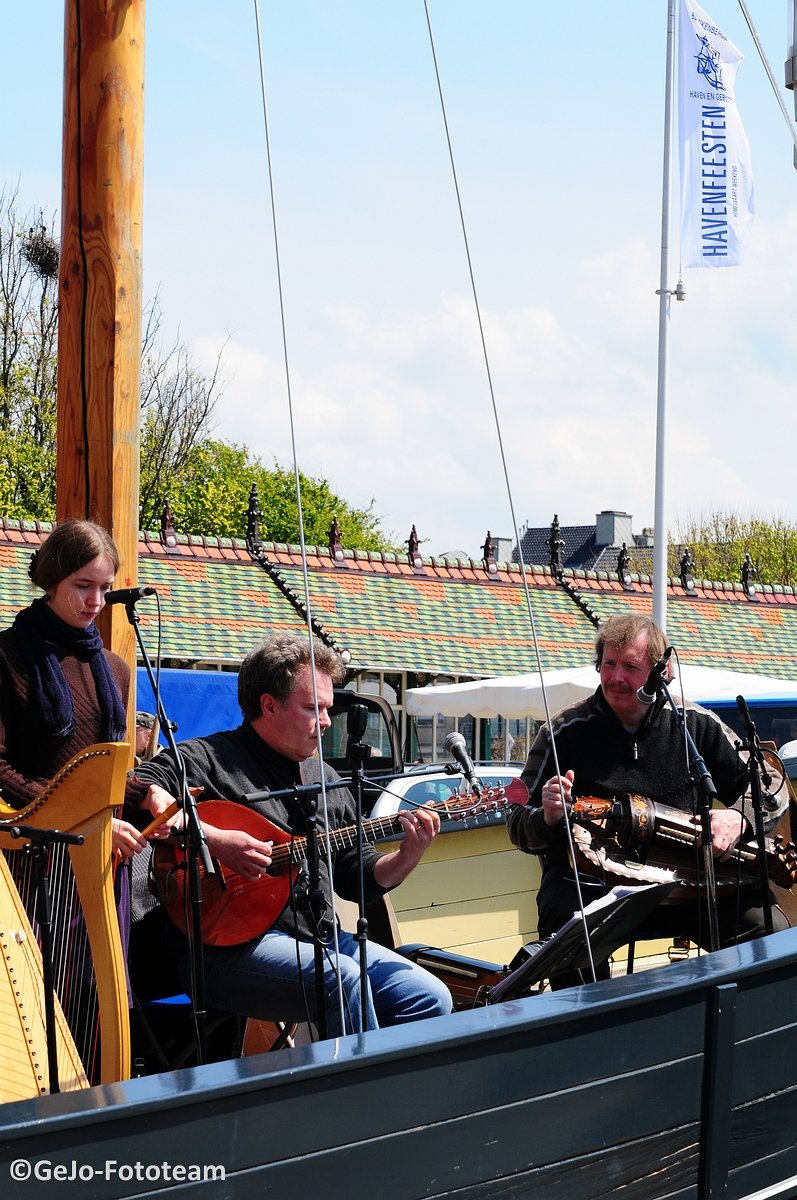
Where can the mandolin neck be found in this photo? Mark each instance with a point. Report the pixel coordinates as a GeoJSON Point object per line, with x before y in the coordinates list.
{"type": "Point", "coordinates": [342, 839]}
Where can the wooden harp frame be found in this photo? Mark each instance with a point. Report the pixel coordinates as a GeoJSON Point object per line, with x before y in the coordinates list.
{"type": "Point", "coordinates": [81, 798]}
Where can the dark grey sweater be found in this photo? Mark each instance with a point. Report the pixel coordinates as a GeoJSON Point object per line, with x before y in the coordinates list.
{"type": "Point", "coordinates": [608, 761]}
{"type": "Point", "coordinates": [230, 765]}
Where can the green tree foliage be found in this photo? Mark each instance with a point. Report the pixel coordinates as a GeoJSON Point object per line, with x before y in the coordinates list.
{"type": "Point", "coordinates": [28, 331]}
{"type": "Point", "coordinates": [211, 495]}
{"type": "Point", "coordinates": [720, 541]}
{"type": "Point", "coordinates": [206, 481]}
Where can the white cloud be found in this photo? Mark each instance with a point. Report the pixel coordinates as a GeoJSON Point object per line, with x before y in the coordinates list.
{"type": "Point", "coordinates": [399, 409]}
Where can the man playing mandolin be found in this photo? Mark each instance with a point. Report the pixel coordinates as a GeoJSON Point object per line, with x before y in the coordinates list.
{"type": "Point", "coordinates": [263, 967]}
{"type": "Point", "coordinates": [612, 744]}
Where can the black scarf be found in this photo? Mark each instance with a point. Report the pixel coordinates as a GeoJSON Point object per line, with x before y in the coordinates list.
{"type": "Point", "coordinates": [41, 634]}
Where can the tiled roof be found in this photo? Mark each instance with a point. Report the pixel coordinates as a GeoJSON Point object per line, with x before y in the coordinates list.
{"type": "Point", "coordinates": [578, 549]}
{"type": "Point", "coordinates": [214, 604]}
{"type": "Point", "coordinates": [718, 627]}
{"type": "Point", "coordinates": [448, 617]}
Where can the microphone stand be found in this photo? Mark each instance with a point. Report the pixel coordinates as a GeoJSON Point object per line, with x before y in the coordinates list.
{"type": "Point", "coordinates": [40, 839]}
{"type": "Point", "coordinates": [755, 759]}
{"type": "Point", "coordinates": [307, 892]}
{"type": "Point", "coordinates": [357, 752]}
{"type": "Point", "coordinates": [197, 852]}
{"type": "Point", "coordinates": [699, 770]}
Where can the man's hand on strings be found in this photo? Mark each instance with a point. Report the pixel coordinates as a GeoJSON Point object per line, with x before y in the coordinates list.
{"type": "Point", "coordinates": [239, 851]}
{"type": "Point", "coordinates": [727, 829]}
{"type": "Point", "coordinates": [552, 792]}
{"type": "Point", "coordinates": [421, 826]}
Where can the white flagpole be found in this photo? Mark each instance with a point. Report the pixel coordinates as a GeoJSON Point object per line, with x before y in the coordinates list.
{"type": "Point", "coordinates": [664, 294]}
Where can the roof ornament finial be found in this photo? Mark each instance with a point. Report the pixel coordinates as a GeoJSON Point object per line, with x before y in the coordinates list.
{"type": "Point", "coordinates": [687, 571]}
{"type": "Point", "coordinates": [556, 546]}
{"type": "Point", "coordinates": [488, 555]}
{"type": "Point", "coordinates": [624, 568]}
{"type": "Point", "coordinates": [413, 545]}
{"type": "Point", "coordinates": [168, 534]}
{"type": "Point", "coordinates": [253, 515]}
{"type": "Point", "coordinates": [334, 542]}
{"type": "Point", "coordinates": [748, 574]}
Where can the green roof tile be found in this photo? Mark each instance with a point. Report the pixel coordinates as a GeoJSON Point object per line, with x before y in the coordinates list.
{"type": "Point", "coordinates": [450, 619]}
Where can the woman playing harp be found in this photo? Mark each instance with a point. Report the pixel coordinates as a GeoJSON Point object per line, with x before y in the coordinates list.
{"type": "Point", "coordinates": [60, 692]}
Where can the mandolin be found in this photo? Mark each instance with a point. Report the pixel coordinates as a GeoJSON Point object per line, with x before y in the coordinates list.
{"type": "Point", "coordinates": [640, 841]}
{"type": "Point", "coordinates": [234, 909]}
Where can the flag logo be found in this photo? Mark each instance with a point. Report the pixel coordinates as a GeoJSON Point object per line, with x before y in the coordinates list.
{"type": "Point", "coordinates": [709, 64]}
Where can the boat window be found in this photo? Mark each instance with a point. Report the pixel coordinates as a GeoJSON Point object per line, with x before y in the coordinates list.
{"type": "Point", "coordinates": [773, 722]}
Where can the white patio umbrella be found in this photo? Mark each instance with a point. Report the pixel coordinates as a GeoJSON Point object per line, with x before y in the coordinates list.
{"type": "Point", "coordinates": [521, 695]}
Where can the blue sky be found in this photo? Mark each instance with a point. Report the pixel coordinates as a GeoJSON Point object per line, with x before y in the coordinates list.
{"type": "Point", "coordinates": [556, 118]}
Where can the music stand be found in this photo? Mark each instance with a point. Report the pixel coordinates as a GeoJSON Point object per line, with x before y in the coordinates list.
{"type": "Point", "coordinates": [611, 922]}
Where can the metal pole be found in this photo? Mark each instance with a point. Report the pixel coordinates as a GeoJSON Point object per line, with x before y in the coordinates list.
{"type": "Point", "coordinates": [791, 62]}
{"type": "Point", "coordinates": [664, 294]}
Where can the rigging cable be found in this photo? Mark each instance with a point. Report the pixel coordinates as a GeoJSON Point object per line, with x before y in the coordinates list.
{"type": "Point", "coordinates": [765, 62]}
{"type": "Point", "coordinates": [298, 489]}
{"type": "Point", "coordinates": [499, 435]}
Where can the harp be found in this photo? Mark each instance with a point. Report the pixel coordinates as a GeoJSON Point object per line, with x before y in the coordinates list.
{"type": "Point", "coordinates": [80, 799]}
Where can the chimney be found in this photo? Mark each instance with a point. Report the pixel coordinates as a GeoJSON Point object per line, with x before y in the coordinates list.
{"type": "Point", "coordinates": [612, 528]}
{"type": "Point", "coordinates": [503, 549]}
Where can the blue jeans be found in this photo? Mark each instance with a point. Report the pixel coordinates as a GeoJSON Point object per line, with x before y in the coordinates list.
{"type": "Point", "coordinates": [273, 979]}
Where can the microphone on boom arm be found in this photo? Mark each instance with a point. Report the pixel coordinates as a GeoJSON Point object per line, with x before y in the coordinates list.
{"type": "Point", "coordinates": [770, 798]}
{"type": "Point", "coordinates": [455, 745]}
{"type": "Point", "coordinates": [649, 691]}
{"type": "Point", "coordinates": [128, 595]}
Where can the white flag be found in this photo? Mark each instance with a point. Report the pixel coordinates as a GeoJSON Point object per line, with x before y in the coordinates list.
{"type": "Point", "coordinates": [716, 173]}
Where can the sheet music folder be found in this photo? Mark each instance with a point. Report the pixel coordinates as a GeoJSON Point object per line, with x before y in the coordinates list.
{"type": "Point", "coordinates": [611, 921]}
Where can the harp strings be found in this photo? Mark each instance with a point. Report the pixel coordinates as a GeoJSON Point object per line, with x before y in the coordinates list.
{"type": "Point", "coordinates": [73, 970]}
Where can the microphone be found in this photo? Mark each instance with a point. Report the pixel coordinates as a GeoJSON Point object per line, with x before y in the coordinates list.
{"type": "Point", "coordinates": [455, 745]}
{"type": "Point", "coordinates": [356, 725]}
{"type": "Point", "coordinates": [741, 704]}
{"type": "Point", "coordinates": [128, 595]}
{"type": "Point", "coordinates": [356, 722]}
{"type": "Point", "coordinates": [770, 798]}
{"type": "Point", "coordinates": [649, 691]}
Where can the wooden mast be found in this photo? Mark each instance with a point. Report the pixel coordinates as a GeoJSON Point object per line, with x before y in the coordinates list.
{"type": "Point", "coordinates": [99, 329]}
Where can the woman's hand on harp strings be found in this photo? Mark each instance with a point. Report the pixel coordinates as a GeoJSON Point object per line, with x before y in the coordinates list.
{"type": "Point", "coordinates": [557, 788]}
